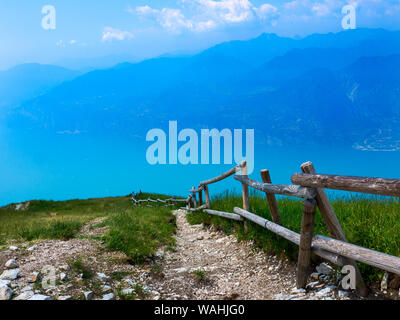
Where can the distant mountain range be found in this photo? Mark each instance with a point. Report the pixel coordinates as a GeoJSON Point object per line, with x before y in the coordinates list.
{"type": "Point", "coordinates": [26, 81]}
{"type": "Point", "coordinates": [339, 89]}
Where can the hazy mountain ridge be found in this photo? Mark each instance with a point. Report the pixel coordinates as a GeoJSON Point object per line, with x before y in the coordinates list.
{"type": "Point", "coordinates": [27, 81]}
{"type": "Point", "coordinates": [335, 88]}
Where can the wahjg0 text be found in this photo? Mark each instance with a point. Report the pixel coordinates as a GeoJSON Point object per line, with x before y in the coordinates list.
{"type": "Point", "coordinates": [201, 309]}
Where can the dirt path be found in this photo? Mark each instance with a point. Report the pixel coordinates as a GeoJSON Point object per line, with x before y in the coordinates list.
{"type": "Point", "coordinates": [225, 268]}
{"type": "Point", "coordinates": [206, 264]}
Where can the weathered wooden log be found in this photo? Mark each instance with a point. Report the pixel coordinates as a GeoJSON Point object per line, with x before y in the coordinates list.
{"type": "Point", "coordinates": [177, 200]}
{"type": "Point", "coordinates": [194, 198]}
{"type": "Point", "coordinates": [245, 194]}
{"type": "Point", "coordinates": [224, 214]}
{"type": "Point", "coordinates": [245, 188]}
{"type": "Point", "coordinates": [207, 195]}
{"type": "Point", "coordinates": [198, 208]}
{"type": "Point", "coordinates": [201, 197]}
{"type": "Point", "coordinates": [380, 186]}
{"type": "Point", "coordinates": [288, 235]}
{"type": "Point", "coordinates": [307, 228]}
{"type": "Point", "coordinates": [199, 189]}
{"type": "Point", "coordinates": [287, 190]}
{"type": "Point", "coordinates": [341, 248]}
{"type": "Point", "coordinates": [374, 258]}
{"type": "Point", "coordinates": [222, 176]}
{"type": "Point", "coordinates": [333, 225]}
{"type": "Point", "coordinates": [273, 206]}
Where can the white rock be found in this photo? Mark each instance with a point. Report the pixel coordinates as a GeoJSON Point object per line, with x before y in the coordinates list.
{"type": "Point", "coordinates": [39, 297]}
{"type": "Point", "coordinates": [325, 291]}
{"type": "Point", "coordinates": [296, 291]}
{"type": "Point", "coordinates": [130, 282]}
{"type": "Point", "coordinates": [5, 283]}
{"type": "Point", "coordinates": [127, 292]}
{"type": "Point", "coordinates": [342, 294]}
{"type": "Point", "coordinates": [13, 248]}
{"type": "Point", "coordinates": [103, 276]}
{"type": "Point", "coordinates": [312, 285]}
{"type": "Point", "coordinates": [65, 268]}
{"type": "Point", "coordinates": [27, 288]}
{"type": "Point", "coordinates": [5, 293]}
{"type": "Point", "coordinates": [30, 249]}
{"type": "Point", "coordinates": [88, 295]}
{"type": "Point", "coordinates": [63, 277]}
{"type": "Point", "coordinates": [384, 282]}
{"type": "Point", "coordinates": [106, 288]}
{"type": "Point", "coordinates": [11, 274]}
{"type": "Point", "coordinates": [109, 296]}
{"type": "Point", "coordinates": [11, 264]}
{"type": "Point", "coordinates": [64, 298]}
{"type": "Point", "coordinates": [26, 295]}
{"type": "Point", "coordinates": [324, 269]}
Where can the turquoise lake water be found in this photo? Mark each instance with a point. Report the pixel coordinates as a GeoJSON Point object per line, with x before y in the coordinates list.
{"type": "Point", "coordinates": [68, 166]}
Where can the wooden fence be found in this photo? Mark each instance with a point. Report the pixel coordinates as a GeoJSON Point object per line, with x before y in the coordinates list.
{"type": "Point", "coordinates": [165, 202]}
{"type": "Point", "coordinates": [309, 186]}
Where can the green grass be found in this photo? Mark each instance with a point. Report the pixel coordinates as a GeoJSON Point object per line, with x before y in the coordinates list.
{"type": "Point", "coordinates": [81, 268]}
{"type": "Point", "coordinates": [140, 231]}
{"type": "Point", "coordinates": [136, 231]}
{"type": "Point", "coordinates": [55, 219]}
{"type": "Point", "coordinates": [199, 274]}
{"type": "Point", "coordinates": [371, 222]}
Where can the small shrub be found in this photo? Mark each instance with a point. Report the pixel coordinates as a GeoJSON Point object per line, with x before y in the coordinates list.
{"type": "Point", "coordinates": [199, 274]}
{"type": "Point", "coordinates": [79, 267]}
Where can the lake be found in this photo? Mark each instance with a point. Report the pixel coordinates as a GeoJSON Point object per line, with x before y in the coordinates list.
{"type": "Point", "coordinates": [79, 165]}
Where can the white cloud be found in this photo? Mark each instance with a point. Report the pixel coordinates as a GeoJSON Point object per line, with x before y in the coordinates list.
{"type": "Point", "coordinates": [266, 11]}
{"type": "Point", "coordinates": [321, 9]}
{"type": "Point", "coordinates": [110, 34]}
{"type": "Point", "coordinates": [208, 14]}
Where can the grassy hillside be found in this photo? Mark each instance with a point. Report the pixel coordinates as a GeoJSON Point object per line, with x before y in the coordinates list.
{"type": "Point", "coordinates": [370, 222]}
{"type": "Point", "coordinates": [136, 231]}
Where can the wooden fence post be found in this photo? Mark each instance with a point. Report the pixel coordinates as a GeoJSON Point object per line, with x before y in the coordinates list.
{"type": "Point", "coordinates": [334, 227]}
{"type": "Point", "coordinates": [200, 196]}
{"type": "Point", "coordinates": [194, 198]}
{"type": "Point", "coordinates": [245, 194]}
{"type": "Point", "coordinates": [207, 195]}
{"type": "Point", "coordinates": [266, 178]}
{"type": "Point", "coordinates": [307, 228]}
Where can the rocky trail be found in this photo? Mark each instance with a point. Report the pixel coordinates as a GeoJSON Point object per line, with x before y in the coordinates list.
{"type": "Point", "coordinates": [206, 264]}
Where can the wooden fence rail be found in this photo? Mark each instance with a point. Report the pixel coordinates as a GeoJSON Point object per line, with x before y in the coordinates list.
{"type": "Point", "coordinates": [167, 202]}
{"type": "Point", "coordinates": [310, 186]}
{"type": "Point", "coordinates": [380, 186]}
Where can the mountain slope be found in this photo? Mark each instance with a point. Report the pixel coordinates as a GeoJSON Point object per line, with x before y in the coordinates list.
{"type": "Point", "coordinates": [27, 81]}
{"type": "Point", "coordinates": [316, 94]}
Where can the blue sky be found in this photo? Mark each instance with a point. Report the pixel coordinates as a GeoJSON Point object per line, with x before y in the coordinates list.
{"type": "Point", "coordinates": [147, 28]}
